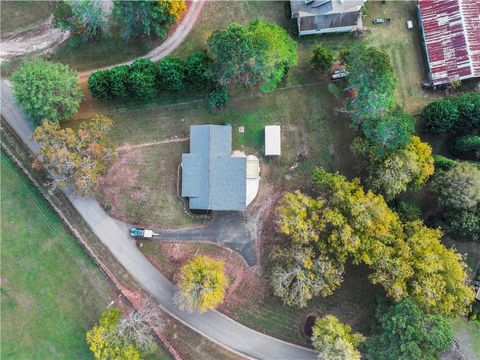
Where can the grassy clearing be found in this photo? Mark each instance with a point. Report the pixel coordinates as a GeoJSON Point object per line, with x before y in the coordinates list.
{"type": "Point", "coordinates": [44, 274]}
{"type": "Point", "coordinates": [313, 134]}
{"type": "Point", "coordinates": [16, 16]}
{"type": "Point", "coordinates": [468, 336]}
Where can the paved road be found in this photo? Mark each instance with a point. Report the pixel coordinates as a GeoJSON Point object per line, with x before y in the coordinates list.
{"type": "Point", "coordinates": [227, 228]}
{"type": "Point", "coordinates": [114, 234]}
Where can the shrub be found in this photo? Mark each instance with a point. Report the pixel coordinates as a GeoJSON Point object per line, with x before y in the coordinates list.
{"type": "Point", "coordinates": [199, 71]}
{"type": "Point", "coordinates": [466, 144]}
{"type": "Point", "coordinates": [465, 224]}
{"type": "Point", "coordinates": [408, 211]}
{"type": "Point", "coordinates": [119, 77]}
{"type": "Point", "coordinates": [322, 58]}
{"type": "Point", "coordinates": [142, 79]}
{"type": "Point", "coordinates": [218, 98]}
{"type": "Point", "coordinates": [171, 74]}
{"type": "Point", "coordinates": [458, 114]}
{"type": "Point", "coordinates": [99, 83]}
{"type": "Point", "coordinates": [443, 163]}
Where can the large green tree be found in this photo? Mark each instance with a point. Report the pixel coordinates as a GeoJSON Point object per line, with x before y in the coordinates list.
{"type": "Point", "coordinates": [259, 53]}
{"type": "Point", "coordinates": [334, 340]}
{"type": "Point", "coordinates": [171, 75]}
{"type": "Point", "coordinates": [146, 18]}
{"type": "Point", "coordinates": [459, 187]}
{"type": "Point", "coordinates": [408, 333]}
{"type": "Point", "coordinates": [47, 90]}
{"type": "Point", "coordinates": [83, 18]}
{"type": "Point", "coordinates": [372, 78]}
{"type": "Point", "coordinates": [389, 132]}
{"type": "Point", "coordinates": [322, 58]}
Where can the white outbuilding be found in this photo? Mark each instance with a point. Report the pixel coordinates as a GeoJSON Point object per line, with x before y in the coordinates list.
{"type": "Point", "coordinates": [272, 140]}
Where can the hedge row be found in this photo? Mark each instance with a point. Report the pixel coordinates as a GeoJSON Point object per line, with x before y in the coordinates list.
{"type": "Point", "coordinates": [457, 114]}
{"type": "Point", "coordinates": [144, 79]}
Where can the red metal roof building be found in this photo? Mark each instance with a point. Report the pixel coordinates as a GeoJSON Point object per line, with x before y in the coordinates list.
{"type": "Point", "coordinates": [451, 35]}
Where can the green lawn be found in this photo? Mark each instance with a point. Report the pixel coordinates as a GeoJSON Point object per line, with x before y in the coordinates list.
{"type": "Point", "coordinates": [468, 336]}
{"type": "Point", "coordinates": [51, 290]}
{"type": "Point", "coordinates": [16, 16]}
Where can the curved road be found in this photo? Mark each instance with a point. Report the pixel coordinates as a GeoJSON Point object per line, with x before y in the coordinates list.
{"type": "Point", "coordinates": [114, 234]}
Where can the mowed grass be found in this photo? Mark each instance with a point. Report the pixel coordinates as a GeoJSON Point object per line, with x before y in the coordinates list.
{"type": "Point", "coordinates": [16, 16]}
{"type": "Point", "coordinates": [314, 133]}
{"type": "Point", "coordinates": [51, 291]}
{"type": "Point", "coordinates": [467, 335]}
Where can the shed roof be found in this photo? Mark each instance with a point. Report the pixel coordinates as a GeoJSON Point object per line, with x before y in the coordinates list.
{"type": "Point", "coordinates": [211, 178]}
{"type": "Point", "coordinates": [272, 140]}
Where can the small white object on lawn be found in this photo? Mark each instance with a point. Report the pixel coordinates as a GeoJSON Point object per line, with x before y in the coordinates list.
{"type": "Point", "coordinates": [409, 24]}
{"type": "Point", "coordinates": [272, 140]}
{"type": "Point", "coordinates": [241, 129]}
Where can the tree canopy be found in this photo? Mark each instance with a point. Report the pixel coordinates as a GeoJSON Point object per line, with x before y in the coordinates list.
{"type": "Point", "coordinates": [83, 18]}
{"type": "Point", "coordinates": [79, 158]}
{"type": "Point", "coordinates": [408, 167]}
{"type": "Point", "coordinates": [202, 285]}
{"type": "Point", "coordinates": [459, 187]}
{"type": "Point", "coordinates": [47, 90]}
{"type": "Point", "coordinates": [104, 343]}
{"type": "Point", "coordinates": [372, 78]}
{"type": "Point", "coordinates": [145, 18]}
{"type": "Point", "coordinates": [334, 340]}
{"type": "Point", "coordinates": [260, 52]}
{"type": "Point", "coordinates": [409, 333]}
{"type": "Point", "coordinates": [389, 132]}
{"type": "Point", "coordinates": [345, 222]}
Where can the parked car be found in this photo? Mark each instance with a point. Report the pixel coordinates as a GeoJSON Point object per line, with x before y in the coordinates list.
{"type": "Point", "coordinates": [380, 21]}
{"type": "Point", "coordinates": [340, 74]}
{"type": "Point", "coordinates": [141, 233]}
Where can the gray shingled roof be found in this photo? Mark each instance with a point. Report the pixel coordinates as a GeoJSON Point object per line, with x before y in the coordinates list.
{"type": "Point", "coordinates": [211, 178]}
{"type": "Point", "coordinates": [329, 21]}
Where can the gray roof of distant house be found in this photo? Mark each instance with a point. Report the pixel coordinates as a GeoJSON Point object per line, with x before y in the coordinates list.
{"type": "Point", "coordinates": [211, 178]}
{"type": "Point", "coordinates": [323, 7]}
{"type": "Point", "coordinates": [329, 21]}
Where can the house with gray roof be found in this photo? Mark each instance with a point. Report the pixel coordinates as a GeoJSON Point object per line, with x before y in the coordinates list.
{"type": "Point", "coordinates": [213, 178]}
{"type": "Point", "coordinates": [327, 16]}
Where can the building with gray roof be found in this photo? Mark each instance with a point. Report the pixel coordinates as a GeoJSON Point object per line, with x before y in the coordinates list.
{"type": "Point", "coordinates": [213, 179]}
{"type": "Point", "coordinates": [327, 16]}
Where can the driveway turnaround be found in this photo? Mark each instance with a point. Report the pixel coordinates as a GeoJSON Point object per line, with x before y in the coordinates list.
{"type": "Point", "coordinates": [227, 228]}
{"type": "Point", "coordinates": [114, 234]}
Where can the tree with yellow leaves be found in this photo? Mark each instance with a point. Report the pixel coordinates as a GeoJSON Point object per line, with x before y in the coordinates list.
{"type": "Point", "coordinates": [202, 285]}
{"type": "Point", "coordinates": [79, 158]}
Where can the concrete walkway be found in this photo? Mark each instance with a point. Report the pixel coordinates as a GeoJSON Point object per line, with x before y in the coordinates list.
{"type": "Point", "coordinates": [114, 234]}
{"type": "Point", "coordinates": [227, 228]}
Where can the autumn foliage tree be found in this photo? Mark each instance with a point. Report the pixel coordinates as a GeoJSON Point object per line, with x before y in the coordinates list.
{"type": "Point", "coordinates": [202, 285]}
{"type": "Point", "coordinates": [78, 158]}
{"type": "Point", "coordinates": [103, 342]}
{"type": "Point", "coordinates": [345, 222]}
{"type": "Point", "coordinates": [334, 340]}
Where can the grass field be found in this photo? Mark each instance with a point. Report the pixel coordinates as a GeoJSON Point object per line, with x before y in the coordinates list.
{"type": "Point", "coordinates": [468, 336]}
{"type": "Point", "coordinates": [16, 16]}
{"type": "Point", "coordinates": [51, 290]}
{"type": "Point", "coordinates": [45, 273]}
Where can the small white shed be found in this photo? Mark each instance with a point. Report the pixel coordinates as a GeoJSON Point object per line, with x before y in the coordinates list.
{"type": "Point", "coordinates": [272, 140]}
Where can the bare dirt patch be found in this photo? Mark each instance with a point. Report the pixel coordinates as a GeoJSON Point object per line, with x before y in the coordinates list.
{"type": "Point", "coordinates": [121, 180]}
